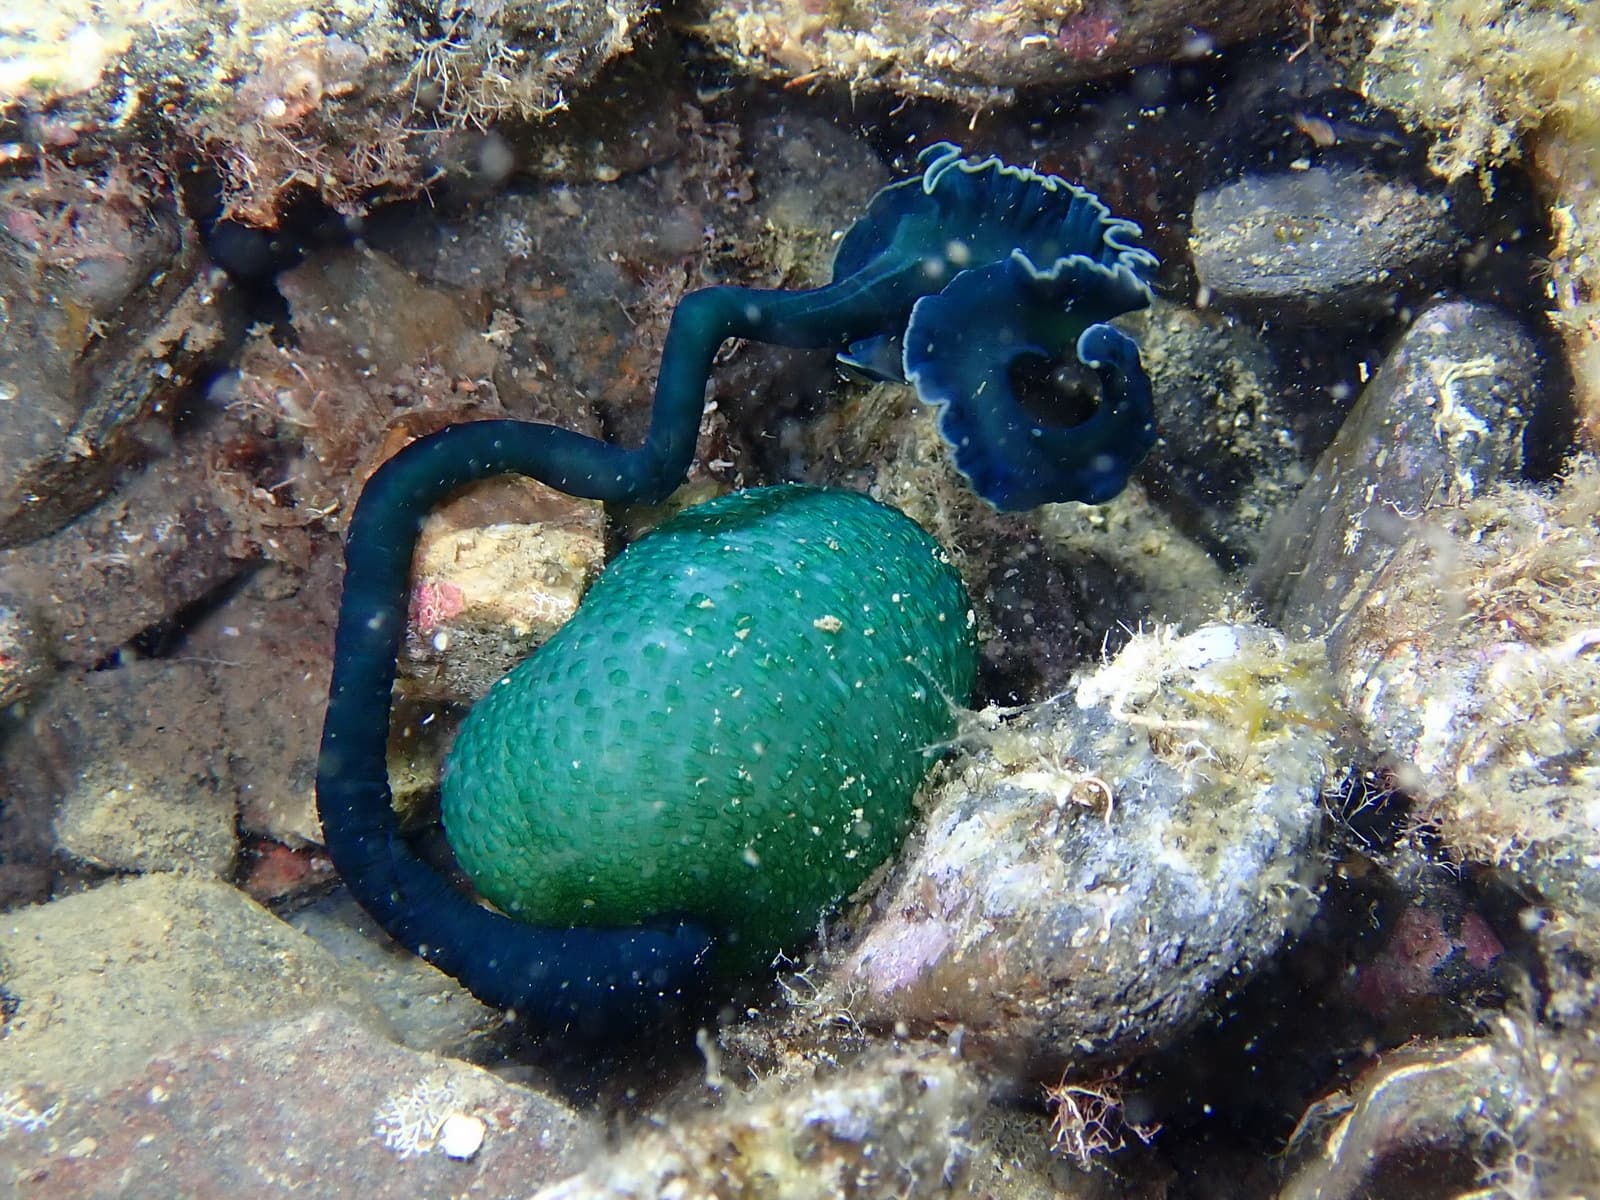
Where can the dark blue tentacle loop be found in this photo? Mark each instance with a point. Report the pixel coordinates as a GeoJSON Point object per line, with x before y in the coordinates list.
{"type": "Point", "coordinates": [939, 282]}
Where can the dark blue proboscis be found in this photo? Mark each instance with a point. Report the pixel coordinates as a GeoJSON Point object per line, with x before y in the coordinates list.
{"type": "Point", "coordinates": [949, 278]}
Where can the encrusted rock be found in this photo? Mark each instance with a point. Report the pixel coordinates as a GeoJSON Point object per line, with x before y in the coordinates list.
{"type": "Point", "coordinates": [1320, 242]}
{"type": "Point", "coordinates": [893, 1124]}
{"type": "Point", "coordinates": [337, 97]}
{"type": "Point", "coordinates": [1471, 662]}
{"type": "Point", "coordinates": [1092, 876]}
{"type": "Point", "coordinates": [495, 573]}
{"type": "Point", "coordinates": [106, 318]}
{"type": "Point", "coordinates": [974, 53]}
{"type": "Point", "coordinates": [1506, 1115]}
{"type": "Point", "coordinates": [1443, 420]}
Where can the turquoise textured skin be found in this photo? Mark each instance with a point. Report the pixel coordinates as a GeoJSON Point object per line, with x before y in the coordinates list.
{"type": "Point", "coordinates": [731, 728]}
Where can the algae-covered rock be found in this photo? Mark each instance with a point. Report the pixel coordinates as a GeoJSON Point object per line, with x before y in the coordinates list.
{"type": "Point", "coordinates": [1092, 876]}
{"type": "Point", "coordinates": [893, 1124]}
{"type": "Point", "coordinates": [1510, 1114]}
{"type": "Point", "coordinates": [1442, 420]}
{"type": "Point", "coordinates": [976, 54]}
{"type": "Point", "coordinates": [1498, 82]}
{"type": "Point", "coordinates": [1472, 666]}
{"type": "Point", "coordinates": [277, 96]}
{"type": "Point", "coordinates": [106, 318]}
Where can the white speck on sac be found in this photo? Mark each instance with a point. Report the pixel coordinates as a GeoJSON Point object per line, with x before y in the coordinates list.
{"type": "Point", "coordinates": [751, 858]}
{"type": "Point", "coordinates": [828, 623]}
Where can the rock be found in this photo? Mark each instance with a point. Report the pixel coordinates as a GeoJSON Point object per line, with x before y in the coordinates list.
{"type": "Point", "coordinates": [1436, 962]}
{"type": "Point", "coordinates": [582, 279]}
{"type": "Point", "coordinates": [1510, 1114]}
{"type": "Point", "coordinates": [161, 542]}
{"type": "Point", "coordinates": [1464, 84]}
{"type": "Point", "coordinates": [273, 872]}
{"type": "Point", "coordinates": [976, 54]}
{"type": "Point", "coordinates": [1047, 585]}
{"type": "Point", "coordinates": [1129, 563]}
{"type": "Point", "coordinates": [268, 656]}
{"type": "Point", "coordinates": [132, 763]}
{"type": "Point", "coordinates": [24, 657]}
{"type": "Point", "coordinates": [108, 318]}
{"type": "Point", "coordinates": [1228, 454]}
{"type": "Point", "coordinates": [334, 98]}
{"type": "Point", "coordinates": [892, 1124]}
{"type": "Point", "coordinates": [310, 1106]}
{"type": "Point", "coordinates": [423, 1007]}
{"type": "Point", "coordinates": [359, 303]}
{"type": "Point", "coordinates": [1324, 243]}
{"type": "Point", "coordinates": [1441, 421]}
{"type": "Point", "coordinates": [495, 573]}
{"type": "Point", "coordinates": [101, 980]}
{"type": "Point", "coordinates": [1471, 664]}
{"type": "Point", "coordinates": [1093, 876]}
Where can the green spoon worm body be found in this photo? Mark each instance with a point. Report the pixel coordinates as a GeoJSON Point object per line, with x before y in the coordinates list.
{"type": "Point", "coordinates": [730, 729]}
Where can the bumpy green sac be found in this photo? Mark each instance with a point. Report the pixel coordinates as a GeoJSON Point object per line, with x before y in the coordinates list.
{"type": "Point", "coordinates": [731, 727]}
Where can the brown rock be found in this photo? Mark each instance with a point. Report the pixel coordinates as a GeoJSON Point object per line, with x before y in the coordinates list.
{"type": "Point", "coordinates": [108, 316]}
{"type": "Point", "coordinates": [315, 1106]}
{"type": "Point", "coordinates": [131, 763]}
{"type": "Point", "coordinates": [160, 543]}
{"type": "Point", "coordinates": [105, 978]}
